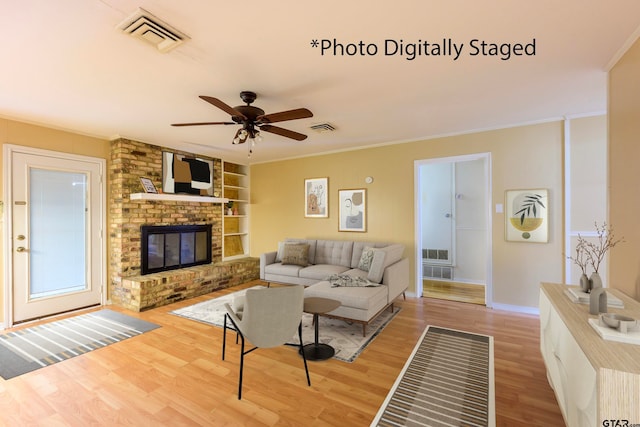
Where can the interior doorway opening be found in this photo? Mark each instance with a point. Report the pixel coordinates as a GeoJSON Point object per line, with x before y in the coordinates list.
{"type": "Point", "coordinates": [453, 226]}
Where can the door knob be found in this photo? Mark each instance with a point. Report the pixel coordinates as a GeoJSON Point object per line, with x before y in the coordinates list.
{"type": "Point", "coordinates": [21, 249]}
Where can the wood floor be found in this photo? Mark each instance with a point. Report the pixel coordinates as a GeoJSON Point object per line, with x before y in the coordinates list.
{"type": "Point", "coordinates": [173, 376]}
{"type": "Point", "coordinates": [453, 291]}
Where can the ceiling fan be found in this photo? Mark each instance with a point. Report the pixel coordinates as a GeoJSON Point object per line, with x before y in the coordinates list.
{"type": "Point", "coordinates": [254, 120]}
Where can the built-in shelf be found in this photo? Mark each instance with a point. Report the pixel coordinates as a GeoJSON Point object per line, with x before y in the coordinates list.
{"type": "Point", "coordinates": [177, 197]}
{"type": "Point", "coordinates": [235, 187]}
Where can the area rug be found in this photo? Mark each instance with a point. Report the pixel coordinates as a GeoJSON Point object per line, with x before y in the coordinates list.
{"type": "Point", "coordinates": [447, 381]}
{"type": "Point", "coordinates": [345, 338]}
{"type": "Point", "coordinates": [26, 350]}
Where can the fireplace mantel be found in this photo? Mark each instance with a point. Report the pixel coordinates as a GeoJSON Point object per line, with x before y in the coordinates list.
{"type": "Point", "coordinates": [128, 212]}
{"type": "Point", "coordinates": [177, 198]}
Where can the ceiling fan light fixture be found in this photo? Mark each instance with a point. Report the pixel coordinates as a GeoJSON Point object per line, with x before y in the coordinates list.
{"type": "Point", "coordinates": [240, 137]}
{"type": "Point", "coordinates": [254, 120]}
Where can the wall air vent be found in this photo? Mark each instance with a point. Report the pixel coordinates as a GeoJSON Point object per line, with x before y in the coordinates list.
{"type": "Point", "coordinates": [323, 127]}
{"type": "Point", "coordinates": [151, 29]}
{"type": "Point", "coordinates": [432, 271]}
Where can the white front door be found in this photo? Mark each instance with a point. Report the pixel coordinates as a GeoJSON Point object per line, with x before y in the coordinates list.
{"type": "Point", "coordinates": [56, 233]}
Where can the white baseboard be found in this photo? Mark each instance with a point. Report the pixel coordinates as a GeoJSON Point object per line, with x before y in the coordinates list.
{"type": "Point", "coordinates": [517, 308]}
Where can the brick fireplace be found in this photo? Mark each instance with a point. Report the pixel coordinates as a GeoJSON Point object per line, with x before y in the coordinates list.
{"type": "Point", "coordinates": [128, 288]}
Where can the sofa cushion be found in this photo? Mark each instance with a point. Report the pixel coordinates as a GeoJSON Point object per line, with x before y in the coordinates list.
{"type": "Point", "coordinates": [280, 251]}
{"type": "Point", "coordinates": [382, 258]}
{"type": "Point", "coordinates": [366, 258]}
{"type": "Point", "coordinates": [321, 271]}
{"type": "Point", "coordinates": [312, 247]}
{"type": "Point", "coordinates": [358, 247]}
{"type": "Point", "coordinates": [283, 270]}
{"type": "Point", "coordinates": [362, 298]}
{"type": "Point", "coordinates": [296, 254]}
{"type": "Point", "coordinates": [334, 252]}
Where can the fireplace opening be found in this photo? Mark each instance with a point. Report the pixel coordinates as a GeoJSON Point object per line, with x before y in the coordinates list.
{"type": "Point", "coordinates": [174, 246]}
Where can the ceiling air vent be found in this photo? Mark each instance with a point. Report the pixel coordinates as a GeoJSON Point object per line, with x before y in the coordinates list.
{"type": "Point", "coordinates": [151, 29]}
{"type": "Point", "coordinates": [323, 127]}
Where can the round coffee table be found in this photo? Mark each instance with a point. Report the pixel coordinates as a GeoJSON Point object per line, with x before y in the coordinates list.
{"type": "Point", "coordinates": [316, 306]}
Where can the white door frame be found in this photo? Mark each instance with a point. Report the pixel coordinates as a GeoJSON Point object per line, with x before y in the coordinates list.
{"type": "Point", "coordinates": [418, 215]}
{"type": "Point", "coordinates": [7, 164]}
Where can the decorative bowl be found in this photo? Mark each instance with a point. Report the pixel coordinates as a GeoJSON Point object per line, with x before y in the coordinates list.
{"type": "Point", "coordinates": [613, 320]}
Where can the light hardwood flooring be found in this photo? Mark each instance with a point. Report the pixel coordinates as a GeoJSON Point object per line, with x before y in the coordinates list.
{"type": "Point", "coordinates": [173, 376]}
{"type": "Point", "coordinates": [454, 291]}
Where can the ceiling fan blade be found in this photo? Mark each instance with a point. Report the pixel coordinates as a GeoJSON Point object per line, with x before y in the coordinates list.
{"type": "Point", "coordinates": [224, 107]}
{"type": "Point", "coordinates": [283, 132]}
{"type": "Point", "coordinates": [203, 123]}
{"type": "Point", "coordinates": [298, 113]}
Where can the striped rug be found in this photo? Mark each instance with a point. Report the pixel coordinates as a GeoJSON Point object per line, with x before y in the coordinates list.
{"type": "Point", "coordinates": [447, 381]}
{"type": "Point", "coordinates": [26, 350]}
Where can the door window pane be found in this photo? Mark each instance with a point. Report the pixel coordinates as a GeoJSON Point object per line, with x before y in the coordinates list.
{"type": "Point", "coordinates": [57, 232]}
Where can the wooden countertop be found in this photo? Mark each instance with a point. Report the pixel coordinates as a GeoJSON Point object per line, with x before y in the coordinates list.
{"type": "Point", "coordinates": [602, 354]}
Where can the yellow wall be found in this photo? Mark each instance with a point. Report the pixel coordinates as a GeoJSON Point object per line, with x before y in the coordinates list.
{"type": "Point", "coordinates": [17, 133]}
{"type": "Point", "coordinates": [522, 157]}
{"type": "Point", "coordinates": [624, 173]}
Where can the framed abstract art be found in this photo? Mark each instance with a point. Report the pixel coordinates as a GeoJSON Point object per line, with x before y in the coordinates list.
{"type": "Point", "coordinates": [527, 215]}
{"type": "Point", "coordinates": [353, 210]}
{"type": "Point", "coordinates": [316, 203]}
{"type": "Point", "coordinates": [186, 174]}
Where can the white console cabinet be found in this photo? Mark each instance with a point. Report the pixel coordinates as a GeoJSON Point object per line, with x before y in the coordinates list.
{"type": "Point", "coordinates": [594, 379]}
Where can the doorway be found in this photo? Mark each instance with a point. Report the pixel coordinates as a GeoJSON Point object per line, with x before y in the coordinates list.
{"type": "Point", "coordinates": [54, 250]}
{"type": "Point", "coordinates": [453, 228]}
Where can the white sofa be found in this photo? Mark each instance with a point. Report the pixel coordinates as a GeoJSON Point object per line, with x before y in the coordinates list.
{"type": "Point", "coordinates": [317, 260]}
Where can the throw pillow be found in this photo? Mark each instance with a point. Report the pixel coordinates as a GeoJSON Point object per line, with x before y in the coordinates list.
{"type": "Point", "coordinates": [295, 254]}
{"type": "Point", "coordinates": [366, 259]}
{"type": "Point", "coordinates": [280, 251]}
{"type": "Point", "coordinates": [344, 280]}
{"type": "Point", "coordinates": [383, 258]}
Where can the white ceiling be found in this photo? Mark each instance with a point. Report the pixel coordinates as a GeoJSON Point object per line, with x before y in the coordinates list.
{"type": "Point", "coordinates": [66, 65]}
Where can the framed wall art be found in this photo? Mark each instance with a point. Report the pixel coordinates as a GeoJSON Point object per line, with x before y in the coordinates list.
{"type": "Point", "coordinates": [316, 203]}
{"type": "Point", "coordinates": [148, 186]}
{"type": "Point", "coordinates": [353, 210]}
{"type": "Point", "coordinates": [186, 174]}
{"type": "Point", "coordinates": [527, 215]}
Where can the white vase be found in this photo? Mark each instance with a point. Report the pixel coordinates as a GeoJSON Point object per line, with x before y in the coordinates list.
{"type": "Point", "coordinates": [585, 284]}
{"type": "Point", "coordinates": [595, 280]}
{"type": "Point", "coordinates": [598, 301]}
